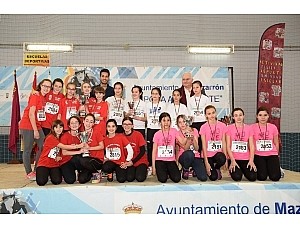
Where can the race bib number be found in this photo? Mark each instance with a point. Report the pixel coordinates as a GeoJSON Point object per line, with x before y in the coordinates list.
{"type": "Point", "coordinates": [51, 108]}
{"type": "Point", "coordinates": [239, 146]}
{"type": "Point", "coordinates": [71, 112]}
{"type": "Point", "coordinates": [117, 114]}
{"type": "Point", "coordinates": [198, 112]}
{"type": "Point", "coordinates": [165, 152]}
{"type": "Point", "coordinates": [264, 145]}
{"type": "Point", "coordinates": [97, 115]}
{"type": "Point", "coordinates": [41, 116]}
{"type": "Point", "coordinates": [53, 152]}
{"type": "Point", "coordinates": [214, 145]}
{"type": "Point", "coordinates": [113, 153]}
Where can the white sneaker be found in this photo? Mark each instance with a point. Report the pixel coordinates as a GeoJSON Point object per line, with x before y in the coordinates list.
{"type": "Point", "coordinates": [150, 171]}
{"type": "Point", "coordinates": [96, 178]}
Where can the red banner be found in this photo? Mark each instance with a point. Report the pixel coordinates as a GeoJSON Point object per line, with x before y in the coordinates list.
{"type": "Point", "coordinates": [15, 118]}
{"type": "Point", "coordinates": [269, 77]}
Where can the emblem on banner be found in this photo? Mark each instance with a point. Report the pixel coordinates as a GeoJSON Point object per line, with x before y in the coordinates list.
{"type": "Point", "coordinates": [279, 33]}
{"type": "Point", "coordinates": [275, 112]}
{"type": "Point", "coordinates": [278, 53]}
{"type": "Point", "coordinates": [276, 90]}
{"type": "Point", "coordinates": [264, 97]}
{"type": "Point", "coordinates": [267, 44]}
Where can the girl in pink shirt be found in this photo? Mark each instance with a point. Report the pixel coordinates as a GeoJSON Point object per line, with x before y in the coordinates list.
{"type": "Point", "coordinates": [188, 155]}
{"type": "Point", "coordinates": [240, 148]}
{"type": "Point", "coordinates": [213, 143]}
{"type": "Point", "coordinates": [163, 153]}
{"type": "Point", "coordinates": [266, 144]}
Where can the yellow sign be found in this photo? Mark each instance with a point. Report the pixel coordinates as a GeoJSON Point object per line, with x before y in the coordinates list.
{"type": "Point", "coordinates": [36, 59]}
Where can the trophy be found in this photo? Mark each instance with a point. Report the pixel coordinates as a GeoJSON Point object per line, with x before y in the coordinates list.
{"type": "Point", "coordinates": [84, 137]}
{"type": "Point", "coordinates": [82, 100]}
{"type": "Point", "coordinates": [131, 105]}
{"type": "Point", "coordinates": [188, 120]}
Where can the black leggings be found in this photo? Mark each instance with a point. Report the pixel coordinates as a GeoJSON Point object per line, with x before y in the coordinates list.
{"type": "Point", "coordinates": [43, 173]}
{"type": "Point", "coordinates": [216, 162]}
{"type": "Point", "coordinates": [267, 166]}
{"type": "Point", "coordinates": [165, 169]}
{"type": "Point", "coordinates": [237, 175]}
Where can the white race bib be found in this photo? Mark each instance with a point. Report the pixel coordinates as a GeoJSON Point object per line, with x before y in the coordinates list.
{"type": "Point", "coordinates": [239, 146]}
{"type": "Point", "coordinates": [97, 115]}
{"type": "Point", "coordinates": [214, 145]}
{"type": "Point", "coordinates": [40, 114]}
{"type": "Point", "coordinates": [165, 152]}
{"type": "Point", "coordinates": [51, 108]}
{"type": "Point", "coordinates": [264, 145]}
{"type": "Point", "coordinates": [197, 112]}
{"type": "Point", "coordinates": [71, 111]}
{"type": "Point", "coordinates": [117, 114]}
{"type": "Point", "coordinates": [113, 153]}
{"type": "Point", "coordinates": [53, 152]}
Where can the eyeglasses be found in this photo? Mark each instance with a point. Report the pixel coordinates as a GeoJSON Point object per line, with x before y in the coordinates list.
{"type": "Point", "coordinates": [127, 124]}
{"type": "Point", "coordinates": [48, 87]}
{"type": "Point", "coordinates": [70, 89]}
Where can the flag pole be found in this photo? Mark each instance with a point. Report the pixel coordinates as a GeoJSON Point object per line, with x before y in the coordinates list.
{"type": "Point", "coordinates": [14, 159]}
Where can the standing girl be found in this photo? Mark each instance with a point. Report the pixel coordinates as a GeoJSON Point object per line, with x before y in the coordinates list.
{"type": "Point", "coordinates": [31, 126]}
{"type": "Point", "coordinates": [48, 164]}
{"type": "Point", "coordinates": [99, 108]}
{"type": "Point", "coordinates": [240, 148]}
{"type": "Point", "coordinates": [136, 109]}
{"type": "Point", "coordinates": [116, 158]}
{"type": "Point", "coordinates": [188, 155]}
{"type": "Point", "coordinates": [153, 110]}
{"type": "Point", "coordinates": [68, 106]}
{"type": "Point", "coordinates": [163, 155]}
{"type": "Point", "coordinates": [176, 108]}
{"type": "Point", "coordinates": [213, 143]}
{"type": "Point", "coordinates": [266, 144]}
{"type": "Point", "coordinates": [116, 105]}
{"type": "Point", "coordinates": [52, 105]}
{"type": "Point", "coordinates": [196, 105]}
{"type": "Point", "coordinates": [140, 162]}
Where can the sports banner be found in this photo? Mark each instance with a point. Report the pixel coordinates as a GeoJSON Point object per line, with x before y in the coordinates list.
{"type": "Point", "coordinates": [215, 81]}
{"type": "Point", "coordinates": [270, 65]}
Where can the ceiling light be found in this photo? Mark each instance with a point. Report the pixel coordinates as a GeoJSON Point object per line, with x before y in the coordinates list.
{"type": "Point", "coordinates": [211, 49]}
{"type": "Point", "coordinates": [47, 47]}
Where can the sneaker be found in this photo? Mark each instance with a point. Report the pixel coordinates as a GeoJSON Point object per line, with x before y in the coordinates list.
{"type": "Point", "coordinates": [110, 177]}
{"type": "Point", "coordinates": [96, 178]}
{"type": "Point", "coordinates": [31, 176]}
{"type": "Point", "coordinates": [219, 174]}
{"type": "Point", "coordinates": [149, 171]}
{"type": "Point", "coordinates": [185, 174]}
{"type": "Point", "coordinates": [282, 172]}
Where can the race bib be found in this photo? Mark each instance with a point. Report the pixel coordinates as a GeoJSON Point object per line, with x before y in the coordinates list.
{"type": "Point", "coordinates": [97, 115]}
{"type": "Point", "coordinates": [197, 112]}
{"type": "Point", "coordinates": [113, 153]}
{"type": "Point", "coordinates": [53, 152]}
{"type": "Point", "coordinates": [51, 108]}
{"type": "Point", "coordinates": [214, 145]}
{"type": "Point", "coordinates": [117, 114]}
{"type": "Point", "coordinates": [264, 145]}
{"type": "Point", "coordinates": [40, 114]}
{"type": "Point", "coordinates": [71, 111]}
{"type": "Point", "coordinates": [165, 152]}
{"type": "Point", "coordinates": [239, 146]}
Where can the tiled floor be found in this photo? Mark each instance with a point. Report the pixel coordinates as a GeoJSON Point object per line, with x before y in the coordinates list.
{"type": "Point", "coordinates": [13, 176]}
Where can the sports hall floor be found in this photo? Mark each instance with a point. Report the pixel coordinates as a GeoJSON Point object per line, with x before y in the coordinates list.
{"type": "Point", "coordinates": [12, 176]}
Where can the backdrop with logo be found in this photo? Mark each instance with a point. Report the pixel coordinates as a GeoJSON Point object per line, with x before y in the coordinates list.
{"type": "Point", "coordinates": [214, 79]}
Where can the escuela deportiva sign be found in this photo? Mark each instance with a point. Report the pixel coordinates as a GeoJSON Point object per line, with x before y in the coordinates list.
{"type": "Point", "coordinates": [36, 59]}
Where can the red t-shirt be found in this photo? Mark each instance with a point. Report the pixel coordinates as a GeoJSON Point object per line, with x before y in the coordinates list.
{"type": "Point", "coordinates": [99, 110]}
{"type": "Point", "coordinates": [39, 102]}
{"type": "Point", "coordinates": [51, 108]}
{"type": "Point", "coordinates": [67, 108]}
{"type": "Point", "coordinates": [47, 158]}
{"type": "Point", "coordinates": [137, 140]}
{"type": "Point", "coordinates": [68, 139]}
{"type": "Point", "coordinates": [114, 148]}
{"type": "Point", "coordinates": [94, 140]}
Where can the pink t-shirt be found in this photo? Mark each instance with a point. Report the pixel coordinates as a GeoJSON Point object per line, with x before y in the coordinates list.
{"type": "Point", "coordinates": [181, 150]}
{"type": "Point", "coordinates": [213, 135]}
{"type": "Point", "coordinates": [165, 145]}
{"type": "Point", "coordinates": [264, 139]}
{"type": "Point", "coordinates": [239, 150]}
